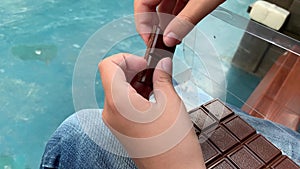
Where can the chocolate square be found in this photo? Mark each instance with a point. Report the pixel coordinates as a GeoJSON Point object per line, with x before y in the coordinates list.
{"type": "Point", "coordinates": [202, 119]}
{"type": "Point", "coordinates": [209, 151]}
{"type": "Point", "coordinates": [244, 159]}
{"type": "Point", "coordinates": [218, 109]}
{"type": "Point", "coordinates": [263, 148]}
{"type": "Point", "coordinates": [239, 128]}
{"type": "Point", "coordinates": [222, 139]}
{"type": "Point", "coordinates": [223, 164]}
{"type": "Point", "coordinates": [284, 163]}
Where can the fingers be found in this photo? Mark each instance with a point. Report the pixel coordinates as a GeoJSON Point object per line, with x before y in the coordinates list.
{"type": "Point", "coordinates": [130, 64]}
{"type": "Point", "coordinates": [189, 16]}
{"type": "Point", "coordinates": [190, 12]}
{"type": "Point", "coordinates": [145, 16]}
{"type": "Point", "coordinates": [117, 69]}
{"type": "Point", "coordinates": [120, 97]}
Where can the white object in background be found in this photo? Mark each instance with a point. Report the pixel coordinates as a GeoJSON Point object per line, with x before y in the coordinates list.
{"type": "Point", "coordinates": [268, 14]}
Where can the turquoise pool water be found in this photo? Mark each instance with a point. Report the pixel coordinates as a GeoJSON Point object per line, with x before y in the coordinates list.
{"type": "Point", "coordinates": [39, 44]}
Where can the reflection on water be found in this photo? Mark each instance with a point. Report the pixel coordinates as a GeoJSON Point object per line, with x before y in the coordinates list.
{"type": "Point", "coordinates": [43, 53]}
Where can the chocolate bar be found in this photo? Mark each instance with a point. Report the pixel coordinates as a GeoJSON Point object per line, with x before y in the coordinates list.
{"type": "Point", "coordinates": [156, 50]}
{"type": "Point", "coordinates": [227, 141]}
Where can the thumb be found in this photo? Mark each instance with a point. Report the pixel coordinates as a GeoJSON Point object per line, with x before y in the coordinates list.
{"type": "Point", "coordinates": [162, 79]}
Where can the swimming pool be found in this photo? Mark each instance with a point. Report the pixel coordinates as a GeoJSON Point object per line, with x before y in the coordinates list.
{"type": "Point", "coordinates": [39, 44]}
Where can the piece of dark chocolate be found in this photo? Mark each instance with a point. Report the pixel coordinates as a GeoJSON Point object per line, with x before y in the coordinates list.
{"type": "Point", "coordinates": [218, 109]}
{"type": "Point", "coordinates": [209, 151]}
{"type": "Point", "coordinates": [156, 50]}
{"type": "Point", "coordinates": [202, 119]}
{"type": "Point", "coordinates": [284, 163]}
{"type": "Point", "coordinates": [239, 127]}
{"type": "Point", "coordinates": [224, 163]}
{"type": "Point", "coordinates": [222, 139]}
{"type": "Point", "coordinates": [142, 83]}
{"type": "Point", "coordinates": [243, 158]}
{"type": "Point", "coordinates": [264, 149]}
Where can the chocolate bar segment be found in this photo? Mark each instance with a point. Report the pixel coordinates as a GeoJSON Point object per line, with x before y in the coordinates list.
{"type": "Point", "coordinates": [243, 158]}
{"type": "Point", "coordinates": [209, 151]}
{"type": "Point", "coordinates": [284, 163]}
{"type": "Point", "coordinates": [223, 164]}
{"type": "Point", "coordinates": [239, 127]}
{"type": "Point", "coordinates": [218, 109]}
{"type": "Point", "coordinates": [202, 119]}
{"type": "Point", "coordinates": [263, 148]}
{"type": "Point", "coordinates": [156, 50]}
{"type": "Point", "coordinates": [222, 139]}
{"type": "Point", "coordinates": [227, 141]}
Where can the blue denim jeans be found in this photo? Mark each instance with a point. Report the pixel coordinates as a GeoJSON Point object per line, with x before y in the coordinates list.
{"type": "Point", "coordinates": [83, 141]}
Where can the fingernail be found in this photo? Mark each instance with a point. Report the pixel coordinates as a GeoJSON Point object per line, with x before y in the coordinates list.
{"type": "Point", "coordinates": [171, 39]}
{"type": "Point", "coordinates": [165, 64]}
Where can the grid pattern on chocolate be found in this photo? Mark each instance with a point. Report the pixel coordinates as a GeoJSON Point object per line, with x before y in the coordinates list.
{"type": "Point", "coordinates": [202, 119]}
{"type": "Point", "coordinates": [230, 142]}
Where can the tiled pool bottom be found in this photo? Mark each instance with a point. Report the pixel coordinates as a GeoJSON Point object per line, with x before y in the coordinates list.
{"type": "Point", "coordinates": [39, 45]}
